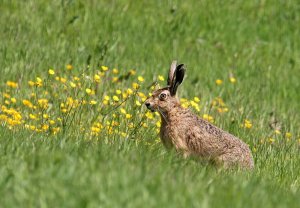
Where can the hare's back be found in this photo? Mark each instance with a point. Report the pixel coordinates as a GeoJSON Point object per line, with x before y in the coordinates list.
{"type": "Point", "coordinates": [206, 138]}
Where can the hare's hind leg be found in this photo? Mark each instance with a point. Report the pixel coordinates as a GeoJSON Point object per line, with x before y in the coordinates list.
{"type": "Point", "coordinates": [234, 160]}
{"type": "Point", "coordinates": [227, 160]}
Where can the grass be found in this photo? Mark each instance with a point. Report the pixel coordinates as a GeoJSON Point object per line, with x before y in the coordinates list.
{"type": "Point", "coordinates": [256, 42]}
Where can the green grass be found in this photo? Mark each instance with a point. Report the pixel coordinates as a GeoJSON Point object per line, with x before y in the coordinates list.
{"type": "Point", "coordinates": [256, 41]}
{"type": "Point", "coordinates": [68, 172]}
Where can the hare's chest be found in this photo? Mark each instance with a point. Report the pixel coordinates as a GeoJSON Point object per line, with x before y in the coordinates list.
{"type": "Point", "coordinates": [170, 137]}
{"type": "Point", "coordinates": [166, 136]}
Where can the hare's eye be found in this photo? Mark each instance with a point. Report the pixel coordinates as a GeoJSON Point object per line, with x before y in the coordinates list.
{"type": "Point", "coordinates": [162, 96]}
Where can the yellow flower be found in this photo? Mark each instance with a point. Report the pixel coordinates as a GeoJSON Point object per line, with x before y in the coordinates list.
{"type": "Point", "coordinates": [32, 127]}
{"type": "Point", "coordinates": [106, 97]}
{"type": "Point", "coordinates": [128, 116]}
{"type": "Point", "coordinates": [104, 68]}
{"type": "Point", "coordinates": [161, 78]}
{"type": "Point", "coordinates": [43, 103]}
{"type": "Point", "coordinates": [141, 95]}
{"type": "Point", "coordinates": [6, 95]}
{"type": "Point", "coordinates": [3, 117]}
{"type": "Point", "coordinates": [115, 98]}
{"type": "Point", "coordinates": [115, 71]}
{"type": "Point", "coordinates": [247, 124]}
{"type": "Point", "coordinates": [132, 72]}
{"type": "Point", "coordinates": [63, 80]}
{"type": "Point", "coordinates": [102, 74]}
{"type": "Point", "coordinates": [12, 84]}
{"type": "Point", "coordinates": [138, 103]}
{"type": "Point", "coordinates": [158, 124]}
{"type": "Point", "coordinates": [125, 95]}
{"type": "Point", "coordinates": [64, 110]}
{"type": "Point", "coordinates": [141, 79]}
{"type": "Point", "coordinates": [93, 102]}
{"type": "Point", "coordinates": [32, 116]}
{"type": "Point", "coordinates": [51, 72]}
{"type": "Point", "coordinates": [72, 84]}
{"type": "Point", "coordinates": [52, 122]}
{"type": "Point", "coordinates": [271, 140]}
{"type": "Point", "coordinates": [27, 103]}
{"type": "Point", "coordinates": [208, 118]}
{"type": "Point", "coordinates": [55, 130]}
{"type": "Point", "coordinates": [69, 67]}
{"type": "Point", "coordinates": [123, 134]}
{"type": "Point", "coordinates": [99, 125]}
{"type": "Point", "coordinates": [196, 99]}
{"type": "Point", "coordinates": [95, 129]}
{"type": "Point", "coordinates": [219, 81]}
{"type": "Point", "coordinates": [97, 78]}
{"type": "Point", "coordinates": [115, 123]}
{"type": "Point", "coordinates": [197, 108]}
{"type": "Point", "coordinates": [288, 135]}
{"type": "Point", "coordinates": [185, 105]}
{"type": "Point", "coordinates": [76, 78]}
{"type": "Point", "coordinates": [232, 80]}
{"type": "Point", "coordinates": [222, 110]}
{"type": "Point", "coordinates": [193, 103]}
{"type": "Point", "coordinates": [13, 100]}
{"type": "Point", "coordinates": [31, 83]}
{"type": "Point", "coordinates": [149, 115]}
{"type": "Point", "coordinates": [88, 91]}
{"type": "Point", "coordinates": [45, 127]}
{"type": "Point", "coordinates": [118, 92]}
{"type": "Point", "coordinates": [219, 101]}
{"type": "Point", "coordinates": [109, 129]}
{"type": "Point", "coordinates": [183, 100]}
{"type": "Point", "coordinates": [38, 79]}
{"type": "Point", "coordinates": [129, 91]}
{"type": "Point", "coordinates": [115, 79]}
{"type": "Point", "coordinates": [135, 85]}
{"type": "Point", "coordinates": [277, 131]}
{"type": "Point", "coordinates": [39, 82]}
{"type": "Point", "coordinates": [122, 110]}
{"type": "Point", "coordinates": [45, 116]}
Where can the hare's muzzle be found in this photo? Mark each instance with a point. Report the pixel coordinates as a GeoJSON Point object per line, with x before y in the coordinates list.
{"type": "Point", "coordinates": [148, 105]}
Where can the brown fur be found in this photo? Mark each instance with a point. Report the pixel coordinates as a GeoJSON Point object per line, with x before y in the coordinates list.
{"type": "Point", "coordinates": [194, 136]}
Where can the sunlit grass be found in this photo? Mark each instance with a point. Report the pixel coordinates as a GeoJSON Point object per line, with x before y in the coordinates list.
{"type": "Point", "coordinates": [103, 104]}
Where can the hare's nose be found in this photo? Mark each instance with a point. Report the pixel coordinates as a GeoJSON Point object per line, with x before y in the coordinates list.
{"type": "Point", "coordinates": [147, 105]}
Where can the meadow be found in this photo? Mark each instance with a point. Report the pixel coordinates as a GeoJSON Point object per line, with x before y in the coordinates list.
{"type": "Point", "coordinates": [74, 76]}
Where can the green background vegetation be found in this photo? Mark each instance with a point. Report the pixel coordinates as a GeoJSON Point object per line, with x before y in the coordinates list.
{"type": "Point", "coordinates": [257, 41]}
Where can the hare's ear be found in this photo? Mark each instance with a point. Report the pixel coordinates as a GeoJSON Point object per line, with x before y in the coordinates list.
{"type": "Point", "coordinates": [171, 77]}
{"type": "Point", "coordinates": [177, 78]}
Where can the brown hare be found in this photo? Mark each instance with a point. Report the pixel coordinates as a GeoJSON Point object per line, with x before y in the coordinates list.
{"type": "Point", "coordinates": [192, 135]}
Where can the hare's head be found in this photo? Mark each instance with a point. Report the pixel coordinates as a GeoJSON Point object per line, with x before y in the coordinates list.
{"type": "Point", "coordinates": [164, 99]}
